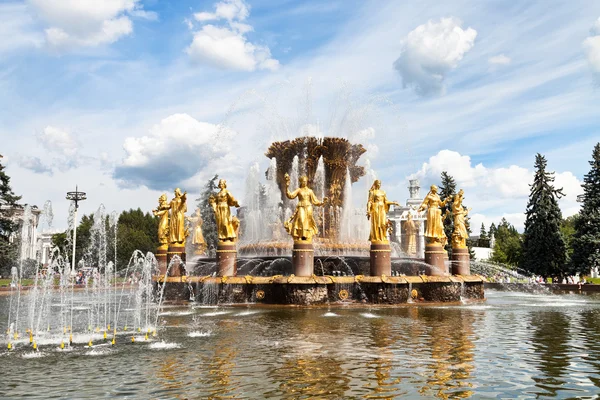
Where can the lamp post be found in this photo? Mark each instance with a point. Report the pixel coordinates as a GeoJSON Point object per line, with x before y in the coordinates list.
{"type": "Point", "coordinates": [76, 197]}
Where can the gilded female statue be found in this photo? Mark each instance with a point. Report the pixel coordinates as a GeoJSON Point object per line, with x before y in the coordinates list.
{"type": "Point", "coordinates": [410, 230]}
{"type": "Point", "coordinates": [301, 224]}
{"type": "Point", "coordinates": [434, 228]}
{"type": "Point", "coordinates": [197, 236]}
{"type": "Point", "coordinates": [377, 209]}
{"type": "Point", "coordinates": [162, 212]}
{"type": "Point", "coordinates": [460, 234]}
{"type": "Point", "coordinates": [178, 206]}
{"type": "Point", "coordinates": [227, 226]}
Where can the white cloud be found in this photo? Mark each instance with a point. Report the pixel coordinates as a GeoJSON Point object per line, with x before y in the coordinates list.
{"type": "Point", "coordinates": [17, 29]}
{"type": "Point", "coordinates": [227, 9]}
{"type": "Point", "coordinates": [58, 141]}
{"type": "Point", "coordinates": [500, 59]}
{"type": "Point", "coordinates": [34, 164]}
{"type": "Point", "coordinates": [431, 51]}
{"type": "Point", "coordinates": [490, 188]}
{"type": "Point", "coordinates": [177, 149]}
{"type": "Point", "coordinates": [227, 46]}
{"type": "Point", "coordinates": [591, 47]}
{"type": "Point", "coordinates": [85, 23]}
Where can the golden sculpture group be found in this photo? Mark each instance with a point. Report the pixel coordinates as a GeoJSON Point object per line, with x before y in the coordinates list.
{"type": "Point", "coordinates": [301, 226]}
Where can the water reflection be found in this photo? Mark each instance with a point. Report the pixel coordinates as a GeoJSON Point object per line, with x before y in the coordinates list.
{"type": "Point", "coordinates": [383, 339]}
{"type": "Point", "coordinates": [552, 356]}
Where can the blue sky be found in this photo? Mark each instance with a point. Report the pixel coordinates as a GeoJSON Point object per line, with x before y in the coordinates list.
{"type": "Point", "coordinates": [131, 98]}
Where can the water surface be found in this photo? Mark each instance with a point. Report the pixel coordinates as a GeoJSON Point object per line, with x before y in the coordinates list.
{"type": "Point", "coordinates": [514, 345]}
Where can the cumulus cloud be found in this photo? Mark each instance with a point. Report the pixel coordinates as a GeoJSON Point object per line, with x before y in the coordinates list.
{"type": "Point", "coordinates": [58, 141]}
{"type": "Point", "coordinates": [494, 188]}
{"type": "Point", "coordinates": [500, 59]}
{"type": "Point", "coordinates": [431, 51]}
{"type": "Point", "coordinates": [226, 45]}
{"type": "Point", "coordinates": [176, 149]}
{"type": "Point", "coordinates": [17, 29]}
{"type": "Point", "coordinates": [34, 164]}
{"type": "Point", "coordinates": [591, 47]}
{"type": "Point", "coordinates": [86, 23]}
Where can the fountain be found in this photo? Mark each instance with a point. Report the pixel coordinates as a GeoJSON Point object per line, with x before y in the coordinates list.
{"type": "Point", "coordinates": [261, 263]}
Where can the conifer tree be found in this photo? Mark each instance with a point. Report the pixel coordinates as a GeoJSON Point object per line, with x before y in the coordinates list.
{"type": "Point", "coordinates": [492, 230]}
{"type": "Point", "coordinates": [544, 251]}
{"type": "Point", "coordinates": [484, 241]}
{"type": "Point", "coordinates": [447, 190]}
{"type": "Point", "coordinates": [586, 239]}
{"type": "Point", "coordinates": [508, 247]}
{"type": "Point", "coordinates": [209, 223]}
{"type": "Point", "coordinates": [8, 202]}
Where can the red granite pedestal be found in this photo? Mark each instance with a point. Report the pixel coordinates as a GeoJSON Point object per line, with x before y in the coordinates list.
{"type": "Point", "coordinates": [176, 268]}
{"type": "Point", "coordinates": [303, 259]}
{"type": "Point", "coordinates": [461, 262]}
{"type": "Point", "coordinates": [381, 263]}
{"type": "Point", "coordinates": [226, 259]}
{"type": "Point", "coordinates": [161, 258]}
{"type": "Point", "coordinates": [434, 256]}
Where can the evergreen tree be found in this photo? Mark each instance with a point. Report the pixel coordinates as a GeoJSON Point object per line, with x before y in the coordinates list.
{"type": "Point", "coordinates": [544, 251]}
{"type": "Point", "coordinates": [484, 241]}
{"type": "Point", "coordinates": [492, 230]}
{"type": "Point", "coordinates": [209, 223]}
{"type": "Point", "coordinates": [567, 229]}
{"type": "Point", "coordinates": [586, 239]}
{"type": "Point", "coordinates": [447, 191]}
{"type": "Point", "coordinates": [8, 201]}
{"type": "Point", "coordinates": [508, 247]}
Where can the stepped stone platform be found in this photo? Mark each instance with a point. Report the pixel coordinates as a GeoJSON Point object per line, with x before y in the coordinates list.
{"type": "Point", "coordinates": [313, 290]}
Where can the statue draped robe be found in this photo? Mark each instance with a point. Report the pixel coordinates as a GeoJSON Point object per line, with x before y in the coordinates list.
{"type": "Point", "coordinates": [225, 226]}
{"type": "Point", "coordinates": [377, 209]}
{"type": "Point", "coordinates": [301, 224]}
{"type": "Point", "coordinates": [177, 223]}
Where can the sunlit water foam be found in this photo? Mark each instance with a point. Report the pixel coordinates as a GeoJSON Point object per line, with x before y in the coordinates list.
{"type": "Point", "coordinates": [176, 313]}
{"type": "Point", "coordinates": [243, 313]}
{"type": "Point", "coordinates": [331, 314]}
{"type": "Point", "coordinates": [369, 315]}
{"type": "Point", "coordinates": [98, 352]}
{"type": "Point", "coordinates": [199, 334]}
{"type": "Point", "coordinates": [214, 314]}
{"type": "Point", "coordinates": [162, 345]}
{"type": "Point", "coordinates": [33, 354]}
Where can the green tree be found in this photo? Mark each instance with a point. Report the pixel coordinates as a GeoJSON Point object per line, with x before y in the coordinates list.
{"type": "Point", "coordinates": [447, 191]}
{"type": "Point", "coordinates": [508, 247]}
{"type": "Point", "coordinates": [586, 239]}
{"type": "Point", "coordinates": [544, 251]}
{"type": "Point", "coordinates": [136, 230]}
{"type": "Point", "coordinates": [8, 202]}
{"type": "Point", "coordinates": [492, 230]}
{"type": "Point", "coordinates": [484, 240]}
{"type": "Point", "coordinates": [567, 229]}
{"type": "Point", "coordinates": [209, 225]}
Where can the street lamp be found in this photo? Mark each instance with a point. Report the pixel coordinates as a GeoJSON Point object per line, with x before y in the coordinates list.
{"type": "Point", "coordinates": [76, 197]}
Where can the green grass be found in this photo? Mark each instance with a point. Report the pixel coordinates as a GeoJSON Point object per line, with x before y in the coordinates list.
{"type": "Point", "coordinates": [24, 282]}
{"type": "Point", "coordinates": [593, 280]}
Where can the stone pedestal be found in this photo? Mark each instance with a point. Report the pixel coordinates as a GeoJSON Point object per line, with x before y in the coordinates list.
{"type": "Point", "coordinates": [177, 268]}
{"type": "Point", "coordinates": [434, 256]}
{"type": "Point", "coordinates": [461, 262]}
{"type": "Point", "coordinates": [381, 264]}
{"type": "Point", "coordinates": [161, 258]}
{"type": "Point", "coordinates": [303, 263]}
{"type": "Point", "coordinates": [226, 259]}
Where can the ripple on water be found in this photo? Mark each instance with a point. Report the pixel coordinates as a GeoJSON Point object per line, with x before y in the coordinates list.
{"type": "Point", "coordinates": [33, 354]}
{"type": "Point", "coordinates": [215, 313]}
{"type": "Point", "coordinates": [331, 314]}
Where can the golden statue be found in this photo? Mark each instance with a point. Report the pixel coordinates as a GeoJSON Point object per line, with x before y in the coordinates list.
{"type": "Point", "coordinates": [227, 226]}
{"type": "Point", "coordinates": [178, 206]}
{"type": "Point", "coordinates": [377, 209]}
{"type": "Point", "coordinates": [197, 236]}
{"type": "Point", "coordinates": [301, 224]}
{"type": "Point", "coordinates": [162, 211]}
{"type": "Point", "coordinates": [460, 234]}
{"type": "Point", "coordinates": [434, 228]}
{"type": "Point", "coordinates": [410, 229]}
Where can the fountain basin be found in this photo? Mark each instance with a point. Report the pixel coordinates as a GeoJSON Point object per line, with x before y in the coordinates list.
{"type": "Point", "coordinates": [296, 290]}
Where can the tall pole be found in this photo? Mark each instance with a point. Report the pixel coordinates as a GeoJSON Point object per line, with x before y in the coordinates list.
{"type": "Point", "coordinates": [76, 197]}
